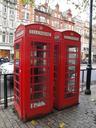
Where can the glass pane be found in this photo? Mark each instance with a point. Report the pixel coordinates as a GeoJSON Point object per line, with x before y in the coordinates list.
{"type": "Point", "coordinates": [72, 49]}
{"type": "Point", "coordinates": [40, 70]}
{"type": "Point", "coordinates": [71, 85]}
{"type": "Point", "coordinates": [42, 54]}
{"type": "Point", "coordinates": [40, 62]}
{"type": "Point", "coordinates": [39, 87]}
{"type": "Point", "coordinates": [70, 55]}
{"type": "Point", "coordinates": [72, 62]}
{"type": "Point", "coordinates": [39, 45]}
{"type": "Point", "coordinates": [17, 54]}
{"type": "Point", "coordinates": [71, 68]}
{"type": "Point", "coordinates": [38, 79]}
{"type": "Point", "coordinates": [39, 95]}
{"type": "Point", "coordinates": [71, 75]}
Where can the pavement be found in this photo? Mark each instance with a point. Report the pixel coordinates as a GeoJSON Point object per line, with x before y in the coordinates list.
{"type": "Point", "coordinates": [82, 115]}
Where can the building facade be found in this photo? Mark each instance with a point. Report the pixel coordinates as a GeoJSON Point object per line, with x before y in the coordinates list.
{"type": "Point", "coordinates": [54, 18]}
{"type": "Point", "coordinates": [7, 27]}
{"type": "Point", "coordinates": [25, 13]}
{"type": "Point", "coordinates": [14, 12]}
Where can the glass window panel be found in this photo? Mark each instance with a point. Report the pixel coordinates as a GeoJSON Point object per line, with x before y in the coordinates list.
{"type": "Point", "coordinates": [72, 68]}
{"type": "Point", "coordinates": [72, 62]}
{"type": "Point", "coordinates": [40, 45]}
{"type": "Point", "coordinates": [39, 87]}
{"type": "Point", "coordinates": [71, 75]}
{"type": "Point", "coordinates": [71, 82]}
{"type": "Point", "coordinates": [38, 95]}
{"type": "Point", "coordinates": [17, 54]}
{"type": "Point", "coordinates": [40, 70]}
{"type": "Point", "coordinates": [71, 88]}
{"type": "Point", "coordinates": [73, 56]}
{"type": "Point", "coordinates": [42, 54]}
{"type": "Point", "coordinates": [40, 62]}
{"type": "Point", "coordinates": [72, 49]}
{"type": "Point", "coordinates": [71, 85]}
{"type": "Point", "coordinates": [38, 79]}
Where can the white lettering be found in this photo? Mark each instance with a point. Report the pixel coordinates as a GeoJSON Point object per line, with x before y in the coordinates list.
{"type": "Point", "coordinates": [19, 33]}
{"type": "Point", "coordinates": [71, 38]}
{"type": "Point", "coordinates": [37, 104]}
{"type": "Point", "coordinates": [37, 32]}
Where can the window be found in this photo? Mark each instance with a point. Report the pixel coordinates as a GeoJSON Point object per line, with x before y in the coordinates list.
{"type": "Point", "coordinates": [4, 9]}
{"type": "Point", "coordinates": [55, 14]}
{"type": "Point", "coordinates": [3, 37]}
{"type": "Point", "coordinates": [42, 19]}
{"type": "Point", "coordinates": [27, 15]}
{"type": "Point", "coordinates": [10, 37]}
{"type": "Point", "coordinates": [11, 12]}
{"type": "Point", "coordinates": [11, 24]}
{"type": "Point", "coordinates": [37, 18]}
{"type": "Point", "coordinates": [43, 9]}
{"type": "Point", "coordinates": [56, 24]}
{"type": "Point", "coordinates": [4, 22]}
{"type": "Point", "coordinates": [48, 21]}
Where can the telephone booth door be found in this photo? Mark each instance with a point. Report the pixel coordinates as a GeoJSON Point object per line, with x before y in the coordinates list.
{"type": "Point", "coordinates": [37, 71]}
{"type": "Point", "coordinates": [71, 42]}
{"type": "Point", "coordinates": [67, 84]}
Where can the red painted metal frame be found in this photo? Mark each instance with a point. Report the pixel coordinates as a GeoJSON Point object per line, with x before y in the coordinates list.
{"type": "Point", "coordinates": [63, 98]}
{"type": "Point", "coordinates": [25, 36]}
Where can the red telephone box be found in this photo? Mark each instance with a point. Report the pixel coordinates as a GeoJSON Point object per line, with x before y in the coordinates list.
{"type": "Point", "coordinates": [33, 70]}
{"type": "Point", "coordinates": [67, 68]}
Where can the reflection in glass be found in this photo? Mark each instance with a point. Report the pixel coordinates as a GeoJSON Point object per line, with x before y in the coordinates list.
{"type": "Point", "coordinates": [71, 85]}
{"type": "Point", "coordinates": [72, 68]}
{"type": "Point", "coordinates": [40, 62]}
{"type": "Point", "coordinates": [72, 49]}
{"type": "Point", "coordinates": [40, 70]}
{"type": "Point", "coordinates": [72, 62]}
{"type": "Point", "coordinates": [71, 75]}
{"type": "Point", "coordinates": [38, 79]}
{"type": "Point", "coordinates": [40, 87]}
{"type": "Point", "coordinates": [73, 56]}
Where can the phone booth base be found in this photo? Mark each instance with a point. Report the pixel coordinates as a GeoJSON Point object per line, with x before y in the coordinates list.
{"type": "Point", "coordinates": [32, 115]}
{"type": "Point", "coordinates": [67, 69]}
{"type": "Point", "coordinates": [33, 70]}
{"type": "Point", "coordinates": [67, 103]}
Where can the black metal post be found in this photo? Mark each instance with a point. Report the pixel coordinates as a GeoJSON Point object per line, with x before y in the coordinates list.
{"type": "Point", "coordinates": [5, 91]}
{"type": "Point", "coordinates": [82, 79]}
{"type": "Point", "coordinates": [89, 65]}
